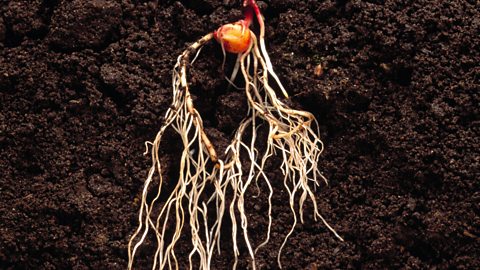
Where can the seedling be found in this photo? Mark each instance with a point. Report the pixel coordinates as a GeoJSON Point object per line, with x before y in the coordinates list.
{"type": "Point", "coordinates": [292, 134]}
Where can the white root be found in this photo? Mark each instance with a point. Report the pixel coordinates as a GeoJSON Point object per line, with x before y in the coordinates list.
{"type": "Point", "coordinates": [293, 134]}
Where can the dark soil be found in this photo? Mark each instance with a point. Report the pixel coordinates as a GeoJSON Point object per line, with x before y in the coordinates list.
{"type": "Point", "coordinates": [84, 83]}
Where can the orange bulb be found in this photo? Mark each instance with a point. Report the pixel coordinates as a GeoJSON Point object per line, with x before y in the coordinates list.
{"type": "Point", "coordinates": [235, 37]}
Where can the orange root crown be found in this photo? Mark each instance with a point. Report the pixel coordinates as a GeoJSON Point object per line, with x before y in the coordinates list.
{"type": "Point", "coordinates": [234, 37]}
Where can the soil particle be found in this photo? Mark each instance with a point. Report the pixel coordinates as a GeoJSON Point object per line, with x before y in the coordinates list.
{"type": "Point", "coordinates": [116, 78]}
{"type": "Point", "coordinates": [2, 30]}
{"type": "Point", "coordinates": [230, 111]}
{"type": "Point", "coordinates": [24, 18]}
{"type": "Point", "coordinates": [83, 84]}
{"type": "Point", "coordinates": [91, 24]}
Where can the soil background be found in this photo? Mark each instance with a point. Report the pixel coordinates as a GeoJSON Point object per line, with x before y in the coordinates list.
{"type": "Point", "coordinates": [84, 83]}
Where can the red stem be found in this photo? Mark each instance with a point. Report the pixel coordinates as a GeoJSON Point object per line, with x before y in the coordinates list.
{"type": "Point", "coordinates": [248, 13]}
{"type": "Point", "coordinates": [249, 5]}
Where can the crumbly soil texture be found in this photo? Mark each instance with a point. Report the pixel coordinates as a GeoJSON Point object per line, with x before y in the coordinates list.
{"type": "Point", "coordinates": [393, 84]}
